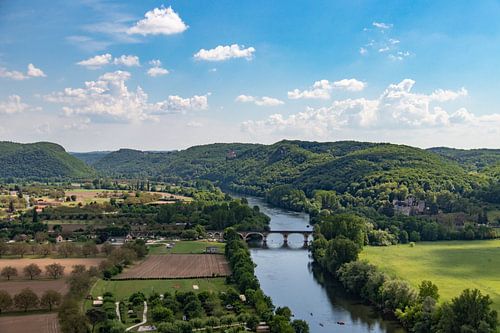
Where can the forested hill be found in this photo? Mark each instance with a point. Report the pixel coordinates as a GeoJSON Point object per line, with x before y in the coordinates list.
{"type": "Point", "coordinates": [473, 159]}
{"type": "Point", "coordinates": [360, 169]}
{"type": "Point", "coordinates": [40, 161]}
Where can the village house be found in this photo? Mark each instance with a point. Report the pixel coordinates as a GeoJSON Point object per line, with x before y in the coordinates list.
{"type": "Point", "coordinates": [410, 206]}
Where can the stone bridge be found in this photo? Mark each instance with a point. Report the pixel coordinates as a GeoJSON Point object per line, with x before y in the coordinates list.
{"type": "Point", "coordinates": [245, 235]}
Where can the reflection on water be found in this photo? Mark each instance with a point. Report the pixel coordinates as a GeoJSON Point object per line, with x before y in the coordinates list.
{"type": "Point", "coordinates": [288, 277]}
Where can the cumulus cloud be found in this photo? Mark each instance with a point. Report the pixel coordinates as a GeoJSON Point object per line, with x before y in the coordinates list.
{"type": "Point", "coordinates": [97, 61]}
{"type": "Point", "coordinates": [177, 104]}
{"type": "Point", "coordinates": [221, 53]}
{"type": "Point", "coordinates": [32, 71]}
{"type": "Point", "coordinates": [13, 105]}
{"type": "Point", "coordinates": [156, 69]}
{"type": "Point", "coordinates": [159, 21]}
{"type": "Point", "coordinates": [102, 60]}
{"type": "Point", "coordinates": [323, 88]}
{"type": "Point", "coordinates": [109, 98]}
{"type": "Point", "coordinates": [382, 25]}
{"type": "Point", "coordinates": [397, 107]}
{"type": "Point", "coordinates": [262, 101]}
{"type": "Point", "coordinates": [35, 72]}
{"type": "Point", "coordinates": [127, 60]}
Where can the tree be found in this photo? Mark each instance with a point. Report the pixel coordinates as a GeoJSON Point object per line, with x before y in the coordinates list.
{"type": "Point", "coordinates": [26, 299]}
{"type": "Point", "coordinates": [50, 298]}
{"type": "Point", "coordinates": [40, 237]}
{"type": "Point", "coordinates": [66, 249]}
{"type": "Point", "coordinates": [5, 301]}
{"type": "Point", "coordinates": [162, 314]}
{"type": "Point", "coordinates": [89, 249]}
{"type": "Point", "coordinates": [339, 251]}
{"type": "Point", "coordinates": [107, 248]}
{"type": "Point", "coordinates": [469, 312]}
{"type": "Point", "coordinates": [35, 216]}
{"type": "Point", "coordinates": [284, 311]}
{"type": "Point", "coordinates": [20, 249]}
{"type": "Point", "coordinates": [32, 270]}
{"type": "Point", "coordinates": [4, 248]}
{"type": "Point", "coordinates": [44, 249]}
{"type": "Point", "coordinates": [8, 272]}
{"type": "Point", "coordinates": [12, 209]}
{"type": "Point", "coordinates": [428, 289]}
{"type": "Point", "coordinates": [95, 316]}
{"type": "Point", "coordinates": [54, 270]}
{"type": "Point", "coordinates": [300, 326]}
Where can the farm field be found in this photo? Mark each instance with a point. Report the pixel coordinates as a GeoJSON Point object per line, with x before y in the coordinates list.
{"type": "Point", "coordinates": [42, 262]}
{"type": "Point", "coordinates": [196, 247]}
{"type": "Point", "coordinates": [123, 289]}
{"type": "Point", "coordinates": [178, 266]}
{"type": "Point", "coordinates": [38, 286]}
{"type": "Point", "coordinates": [452, 265]}
{"type": "Point", "coordinates": [40, 323]}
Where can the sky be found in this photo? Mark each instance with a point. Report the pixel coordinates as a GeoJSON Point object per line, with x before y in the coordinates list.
{"type": "Point", "coordinates": [161, 75]}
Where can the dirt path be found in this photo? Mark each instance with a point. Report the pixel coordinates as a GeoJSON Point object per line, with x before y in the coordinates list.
{"type": "Point", "coordinates": [144, 318]}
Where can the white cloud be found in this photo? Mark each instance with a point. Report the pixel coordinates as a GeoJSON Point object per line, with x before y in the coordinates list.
{"type": "Point", "coordinates": [35, 72]}
{"type": "Point", "coordinates": [97, 61]}
{"type": "Point", "coordinates": [13, 105]}
{"type": "Point", "coordinates": [177, 104]}
{"type": "Point", "coordinates": [32, 71]}
{"type": "Point", "coordinates": [363, 51]}
{"type": "Point", "coordinates": [156, 70]}
{"type": "Point", "coordinates": [221, 53]}
{"type": "Point", "coordinates": [127, 60]}
{"type": "Point", "coordinates": [397, 107]}
{"type": "Point", "coordinates": [109, 98]}
{"type": "Point", "coordinates": [382, 25]}
{"type": "Point", "coordinates": [263, 101]}
{"type": "Point", "coordinates": [322, 89]}
{"type": "Point", "coordinates": [159, 21]}
{"type": "Point", "coordinates": [102, 60]}
{"type": "Point", "coordinates": [399, 55]}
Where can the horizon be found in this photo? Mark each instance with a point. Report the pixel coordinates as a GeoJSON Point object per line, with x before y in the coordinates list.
{"type": "Point", "coordinates": [237, 142]}
{"type": "Point", "coordinates": [156, 75]}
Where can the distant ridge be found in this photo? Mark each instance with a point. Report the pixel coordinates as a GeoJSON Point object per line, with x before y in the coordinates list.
{"type": "Point", "coordinates": [39, 161]}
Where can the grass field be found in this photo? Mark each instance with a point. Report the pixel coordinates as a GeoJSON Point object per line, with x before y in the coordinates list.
{"type": "Point", "coordinates": [123, 289]}
{"type": "Point", "coordinates": [195, 247]}
{"type": "Point", "coordinates": [452, 266]}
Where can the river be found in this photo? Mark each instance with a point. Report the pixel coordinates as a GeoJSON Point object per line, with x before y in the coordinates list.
{"type": "Point", "coordinates": [287, 276]}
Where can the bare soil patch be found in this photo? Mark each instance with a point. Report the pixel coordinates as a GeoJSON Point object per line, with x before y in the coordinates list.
{"type": "Point", "coordinates": [175, 266]}
{"type": "Point", "coordinates": [36, 323]}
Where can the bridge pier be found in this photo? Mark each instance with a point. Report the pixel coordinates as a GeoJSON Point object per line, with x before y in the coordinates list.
{"type": "Point", "coordinates": [285, 239]}
{"type": "Point", "coordinates": [306, 241]}
{"type": "Point", "coordinates": [264, 240]}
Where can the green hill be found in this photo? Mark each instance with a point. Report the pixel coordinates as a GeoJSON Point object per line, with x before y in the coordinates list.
{"type": "Point", "coordinates": [472, 159]}
{"type": "Point", "coordinates": [40, 160]}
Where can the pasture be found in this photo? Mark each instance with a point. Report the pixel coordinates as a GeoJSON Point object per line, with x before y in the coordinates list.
{"type": "Point", "coordinates": [451, 265]}
{"type": "Point", "coordinates": [178, 266]}
{"type": "Point", "coordinates": [123, 289]}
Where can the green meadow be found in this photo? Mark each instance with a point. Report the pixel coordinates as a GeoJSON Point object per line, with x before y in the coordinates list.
{"type": "Point", "coordinates": [451, 265]}
{"type": "Point", "coordinates": [185, 247]}
{"type": "Point", "coordinates": [124, 288]}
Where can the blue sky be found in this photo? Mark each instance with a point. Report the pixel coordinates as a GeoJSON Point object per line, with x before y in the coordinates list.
{"type": "Point", "coordinates": [170, 74]}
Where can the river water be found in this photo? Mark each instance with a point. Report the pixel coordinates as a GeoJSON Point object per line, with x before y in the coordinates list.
{"type": "Point", "coordinates": [287, 276]}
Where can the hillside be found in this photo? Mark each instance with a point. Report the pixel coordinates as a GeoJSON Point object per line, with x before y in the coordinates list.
{"type": "Point", "coordinates": [367, 170]}
{"type": "Point", "coordinates": [471, 160]}
{"type": "Point", "coordinates": [39, 160]}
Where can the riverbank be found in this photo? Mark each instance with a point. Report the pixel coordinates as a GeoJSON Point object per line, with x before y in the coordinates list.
{"type": "Point", "coordinates": [287, 276]}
